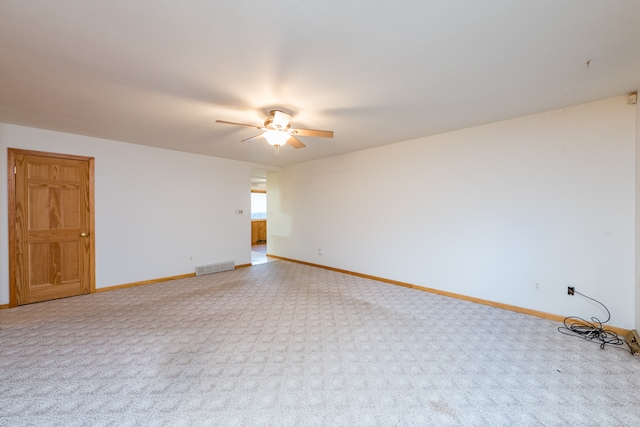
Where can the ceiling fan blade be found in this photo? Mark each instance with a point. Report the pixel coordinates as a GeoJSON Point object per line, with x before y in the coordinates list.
{"type": "Point", "coordinates": [295, 142]}
{"type": "Point", "coordinates": [239, 124]}
{"type": "Point", "coordinates": [252, 138]}
{"type": "Point", "coordinates": [280, 120]}
{"type": "Point", "coordinates": [312, 132]}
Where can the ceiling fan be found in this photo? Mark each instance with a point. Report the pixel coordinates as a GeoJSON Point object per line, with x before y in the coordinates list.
{"type": "Point", "coordinates": [277, 130]}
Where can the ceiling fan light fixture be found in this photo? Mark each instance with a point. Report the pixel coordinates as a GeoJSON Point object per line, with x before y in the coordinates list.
{"type": "Point", "coordinates": [276, 137]}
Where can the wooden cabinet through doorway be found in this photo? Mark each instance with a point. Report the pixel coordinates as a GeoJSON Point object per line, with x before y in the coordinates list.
{"type": "Point", "coordinates": [258, 231]}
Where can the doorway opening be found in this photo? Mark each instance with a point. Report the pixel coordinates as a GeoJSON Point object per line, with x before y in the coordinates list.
{"type": "Point", "coordinates": [259, 218]}
{"type": "Point", "coordinates": [258, 226]}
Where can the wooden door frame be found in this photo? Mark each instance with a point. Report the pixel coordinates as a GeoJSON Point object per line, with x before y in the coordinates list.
{"type": "Point", "coordinates": [11, 193]}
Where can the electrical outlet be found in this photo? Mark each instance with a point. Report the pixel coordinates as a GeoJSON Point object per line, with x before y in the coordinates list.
{"type": "Point", "coordinates": [537, 286]}
{"type": "Point", "coordinates": [570, 290]}
{"type": "Point", "coordinates": [319, 251]}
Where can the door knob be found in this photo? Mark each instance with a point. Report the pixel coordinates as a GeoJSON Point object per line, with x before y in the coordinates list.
{"type": "Point", "coordinates": [83, 234]}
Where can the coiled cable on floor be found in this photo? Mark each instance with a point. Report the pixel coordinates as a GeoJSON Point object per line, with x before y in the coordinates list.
{"type": "Point", "coordinates": [594, 330]}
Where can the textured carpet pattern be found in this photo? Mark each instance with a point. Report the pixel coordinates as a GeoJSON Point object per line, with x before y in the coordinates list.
{"type": "Point", "coordinates": [284, 344]}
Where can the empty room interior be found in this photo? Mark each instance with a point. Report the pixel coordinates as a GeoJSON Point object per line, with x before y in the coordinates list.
{"type": "Point", "coordinates": [452, 220]}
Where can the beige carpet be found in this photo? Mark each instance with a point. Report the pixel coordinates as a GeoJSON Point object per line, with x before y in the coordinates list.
{"type": "Point", "coordinates": [283, 344]}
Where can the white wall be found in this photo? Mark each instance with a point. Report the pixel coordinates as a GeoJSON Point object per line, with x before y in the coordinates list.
{"type": "Point", "coordinates": [154, 208]}
{"type": "Point", "coordinates": [483, 212]}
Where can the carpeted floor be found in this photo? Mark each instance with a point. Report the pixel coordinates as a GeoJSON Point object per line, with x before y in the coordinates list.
{"type": "Point", "coordinates": [284, 344]}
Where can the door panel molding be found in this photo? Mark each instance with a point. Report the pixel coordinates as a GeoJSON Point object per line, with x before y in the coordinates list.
{"type": "Point", "coordinates": [12, 153]}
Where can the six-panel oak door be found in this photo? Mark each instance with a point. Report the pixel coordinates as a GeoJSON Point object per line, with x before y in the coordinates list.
{"type": "Point", "coordinates": [52, 227]}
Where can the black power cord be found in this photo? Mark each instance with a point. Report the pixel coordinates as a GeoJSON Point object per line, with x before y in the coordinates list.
{"type": "Point", "coordinates": [594, 330]}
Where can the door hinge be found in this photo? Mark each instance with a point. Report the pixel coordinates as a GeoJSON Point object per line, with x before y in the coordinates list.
{"type": "Point", "coordinates": [15, 170]}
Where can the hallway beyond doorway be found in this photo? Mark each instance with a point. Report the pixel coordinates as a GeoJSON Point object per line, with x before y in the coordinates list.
{"type": "Point", "coordinates": [259, 254]}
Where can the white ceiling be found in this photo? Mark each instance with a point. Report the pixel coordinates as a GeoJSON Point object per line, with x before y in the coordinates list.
{"type": "Point", "coordinates": [375, 72]}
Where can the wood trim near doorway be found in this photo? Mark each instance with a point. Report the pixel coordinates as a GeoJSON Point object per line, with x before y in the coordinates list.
{"type": "Point", "coordinates": [11, 196]}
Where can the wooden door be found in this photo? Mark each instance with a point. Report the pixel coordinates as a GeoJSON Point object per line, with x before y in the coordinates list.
{"type": "Point", "coordinates": [258, 231]}
{"type": "Point", "coordinates": [53, 240]}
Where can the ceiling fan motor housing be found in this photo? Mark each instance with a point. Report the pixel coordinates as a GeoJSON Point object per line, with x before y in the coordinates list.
{"type": "Point", "coordinates": [278, 120]}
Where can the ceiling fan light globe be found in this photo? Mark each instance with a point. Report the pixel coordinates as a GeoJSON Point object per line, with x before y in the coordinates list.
{"type": "Point", "coordinates": [276, 137]}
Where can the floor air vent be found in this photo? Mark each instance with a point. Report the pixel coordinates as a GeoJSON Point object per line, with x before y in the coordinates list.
{"type": "Point", "coordinates": [214, 268]}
